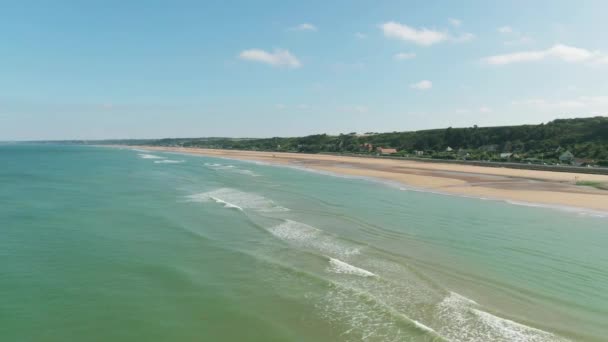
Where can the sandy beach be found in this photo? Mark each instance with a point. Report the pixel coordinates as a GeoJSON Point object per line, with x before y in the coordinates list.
{"type": "Point", "coordinates": [526, 186]}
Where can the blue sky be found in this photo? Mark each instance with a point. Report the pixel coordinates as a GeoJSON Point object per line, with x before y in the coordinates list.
{"type": "Point", "coordinates": [136, 69]}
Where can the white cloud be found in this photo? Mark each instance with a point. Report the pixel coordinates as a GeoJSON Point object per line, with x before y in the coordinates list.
{"type": "Point", "coordinates": [525, 56]}
{"type": "Point", "coordinates": [570, 53]}
{"type": "Point", "coordinates": [404, 55]}
{"type": "Point", "coordinates": [278, 57]}
{"type": "Point", "coordinates": [485, 109]}
{"type": "Point", "coordinates": [304, 27]}
{"type": "Point", "coordinates": [601, 60]}
{"type": "Point", "coordinates": [505, 29]}
{"type": "Point", "coordinates": [563, 52]}
{"type": "Point", "coordinates": [463, 37]}
{"type": "Point", "coordinates": [360, 35]}
{"type": "Point", "coordinates": [421, 36]}
{"type": "Point", "coordinates": [422, 85]}
{"type": "Point", "coordinates": [455, 22]}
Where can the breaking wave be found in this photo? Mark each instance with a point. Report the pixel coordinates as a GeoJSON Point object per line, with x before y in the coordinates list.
{"type": "Point", "coordinates": [231, 168]}
{"type": "Point", "coordinates": [338, 266]}
{"type": "Point", "coordinates": [303, 236]}
{"type": "Point", "coordinates": [149, 156]}
{"type": "Point", "coordinates": [226, 204]}
{"type": "Point", "coordinates": [463, 320]}
{"type": "Point", "coordinates": [168, 161]}
{"type": "Point", "coordinates": [236, 198]}
{"type": "Point", "coordinates": [374, 296]}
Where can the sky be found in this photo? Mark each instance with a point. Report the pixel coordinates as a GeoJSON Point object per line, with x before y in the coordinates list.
{"type": "Point", "coordinates": [152, 69]}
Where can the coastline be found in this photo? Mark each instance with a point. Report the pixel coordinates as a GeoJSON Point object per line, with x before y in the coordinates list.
{"type": "Point", "coordinates": [517, 186]}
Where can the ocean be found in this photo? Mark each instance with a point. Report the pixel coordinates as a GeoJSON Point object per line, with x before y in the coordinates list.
{"type": "Point", "coordinates": [108, 244]}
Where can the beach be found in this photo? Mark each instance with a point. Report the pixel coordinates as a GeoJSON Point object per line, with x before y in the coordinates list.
{"type": "Point", "coordinates": [517, 186]}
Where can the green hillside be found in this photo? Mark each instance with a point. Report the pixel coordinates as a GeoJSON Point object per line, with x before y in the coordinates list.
{"type": "Point", "coordinates": [585, 138]}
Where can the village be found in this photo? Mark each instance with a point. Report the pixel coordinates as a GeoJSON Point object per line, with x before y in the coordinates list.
{"type": "Point", "coordinates": [489, 153]}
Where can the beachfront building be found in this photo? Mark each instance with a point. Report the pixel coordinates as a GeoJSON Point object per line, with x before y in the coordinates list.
{"type": "Point", "coordinates": [449, 149]}
{"type": "Point", "coordinates": [583, 162]}
{"type": "Point", "coordinates": [506, 155]}
{"type": "Point", "coordinates": [385, 151]}
{"type": "Point", "coordinates": [419, 153]}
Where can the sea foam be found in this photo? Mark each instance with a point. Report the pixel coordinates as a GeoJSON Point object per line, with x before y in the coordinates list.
{"type": "Point", "coordinates": [149, 156]}
{"type": "Point", "coordinates": [338, 266]}
{"type": "Point", "coordinates": [168, 161]}
{"type": "Point", "coordinates": [233, 198]}
{"type": "Point", "coordinates": [231, 168]}
{"type": "Point", "coordinates": [226, 204]}
{"type": "Point", "coordinates": [303, 236]}
{"type": "Point", "coordinates": [464, 319]}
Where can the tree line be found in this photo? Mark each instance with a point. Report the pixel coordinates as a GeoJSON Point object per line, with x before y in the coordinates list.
{"type": "Point", "coordinates": [583, 137]}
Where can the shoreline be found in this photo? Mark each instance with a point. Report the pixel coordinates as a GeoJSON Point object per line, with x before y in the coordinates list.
{"type": "Point", "coordinates": [516, 186]}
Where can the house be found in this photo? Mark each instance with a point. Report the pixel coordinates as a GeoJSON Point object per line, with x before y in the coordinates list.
{"type": "Point", "coordinates": [419, 153]}
{"type": "Point", "coordinates": [566, 157]}
{"type": "Point", "coordinates": [449, 149]}
{"type": "Point", "coordinates": [582, 162]}
{"type": "Point", "coordinates": [506, 155]}
{"type": "Point", "coordinates": [382, 150]}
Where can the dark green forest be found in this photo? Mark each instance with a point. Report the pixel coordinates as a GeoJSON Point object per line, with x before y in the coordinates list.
{"type": "Point", "coordinates": [585, 138]}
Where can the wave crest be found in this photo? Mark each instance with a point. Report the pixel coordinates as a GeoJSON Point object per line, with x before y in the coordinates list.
{"type": "Point", "coordinates": [233, 198]}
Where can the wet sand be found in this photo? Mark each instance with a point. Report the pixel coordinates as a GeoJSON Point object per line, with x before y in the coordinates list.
{"type": "Point", "coordinates": [516, 185]}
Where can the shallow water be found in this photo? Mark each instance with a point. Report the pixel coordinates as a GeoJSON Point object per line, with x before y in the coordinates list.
{"type": "Point", "coordinates": [104, 244]}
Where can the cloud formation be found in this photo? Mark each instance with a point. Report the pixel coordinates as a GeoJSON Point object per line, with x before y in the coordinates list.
{"type": "Point", "coordinates": [565, 53]}
{"type": "Point", "coordinates": [463, 37]}
{"type": "Point", "coordinates": [505, 29]}
{"type": "Point", "coordinates": [422, 36]}
{"type": "Point", "coordinates": [401, 56]}
{"type": "Point", "coordinates": [279, 57]}
{"type": "Point", "coordinates": [304, 27]}
{"type": "Point", "coordinates": [422, 85]}
{"type": "Point", "coordinates": [455, 22]}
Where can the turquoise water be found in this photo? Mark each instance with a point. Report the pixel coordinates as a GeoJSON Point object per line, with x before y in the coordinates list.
{"type": "Point", "coordinates": [101, 244]}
